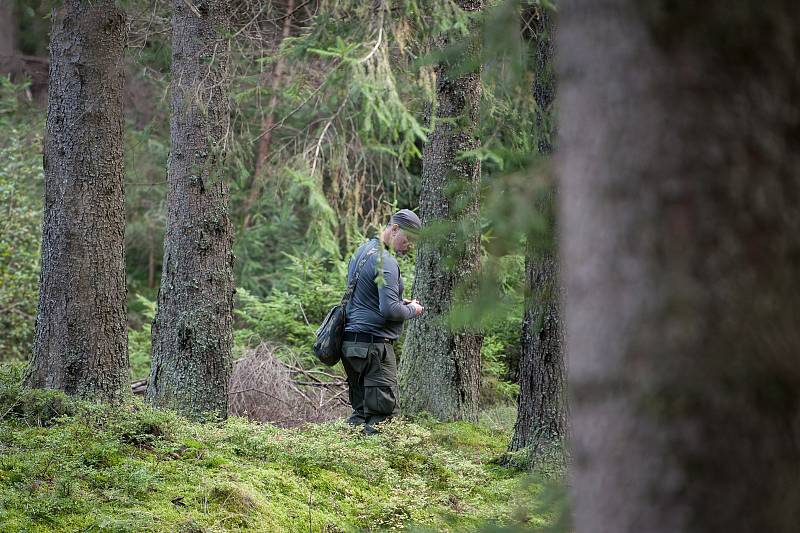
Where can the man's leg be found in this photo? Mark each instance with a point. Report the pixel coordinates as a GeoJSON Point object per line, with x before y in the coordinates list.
{"type": "Point", "coordinates": [354, 360]}
{"type": "Point", "coordinates": [380, 386]}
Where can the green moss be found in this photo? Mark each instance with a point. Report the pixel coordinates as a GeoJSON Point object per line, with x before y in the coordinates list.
{"type": "Point", "coordinates": [135, 469]}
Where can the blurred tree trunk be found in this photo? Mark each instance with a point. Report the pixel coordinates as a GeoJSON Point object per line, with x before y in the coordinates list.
{"type": "Point", "coordinates": [192, 330]}
{"type": "Point", "coordinates": [440, 368]}
{"type": "Point", "coordinates": [265, 142]}
{"type": "Point", "coordinates": [81, 337]}
{"type": "Point", "coordinates": [681, 230]}
{"type": "Point", "coordinates": [541, 412]}
{"type": "Point", "coordinates": [8, 28]}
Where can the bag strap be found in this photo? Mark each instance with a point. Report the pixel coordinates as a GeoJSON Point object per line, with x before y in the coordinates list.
{"type": "Point", "coordinates": [352, 285]}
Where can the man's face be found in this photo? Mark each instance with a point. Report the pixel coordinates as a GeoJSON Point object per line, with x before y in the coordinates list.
{"type": "Point", "coordinates": [400, 241]}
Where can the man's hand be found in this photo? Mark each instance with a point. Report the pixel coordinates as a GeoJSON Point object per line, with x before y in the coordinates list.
{"type": "Point", "coordinates": [415, 306]}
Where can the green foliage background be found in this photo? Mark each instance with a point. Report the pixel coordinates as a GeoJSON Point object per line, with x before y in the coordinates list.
{"type": "Point", "coordinates": [20, 220]}
{"type": "Point", "coordinates": [350, 122]}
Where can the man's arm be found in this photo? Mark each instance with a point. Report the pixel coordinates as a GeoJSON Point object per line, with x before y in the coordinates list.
{"type": "Point", "coordinates": [391, 305]}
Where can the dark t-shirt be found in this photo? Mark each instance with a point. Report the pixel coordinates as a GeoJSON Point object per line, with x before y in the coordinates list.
{"type": "Point", "coordinates": [374, 309]}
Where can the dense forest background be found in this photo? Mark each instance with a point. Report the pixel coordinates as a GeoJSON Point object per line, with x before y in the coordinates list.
{"type": "Point", "coordinates": [332, 104]}
{"type": "Point", "coordinates": [327, 127]}
{"type": "Point", "coordinates": [639, 260]}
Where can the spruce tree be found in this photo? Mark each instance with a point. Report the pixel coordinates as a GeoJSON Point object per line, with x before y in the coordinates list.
{"type": "Point", "coordinates": [80, 344]}
{"type": "Point", "coordinates": [541, 411]}
{"type": "Point", "coordinates": [680, 198]}
{"type": "Point", "coordinates": [440, 368]}
{"type": "Point", "coordinates": [192, 329]}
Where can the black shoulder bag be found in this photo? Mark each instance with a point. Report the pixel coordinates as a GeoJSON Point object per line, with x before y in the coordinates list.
{"type": "Point", "coordinates": [328, 346]}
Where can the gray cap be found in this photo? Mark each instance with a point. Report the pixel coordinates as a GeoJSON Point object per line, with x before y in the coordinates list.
{"type": "Point", "coordinates": [407, 220]}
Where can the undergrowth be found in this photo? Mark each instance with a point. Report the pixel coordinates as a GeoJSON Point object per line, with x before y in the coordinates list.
{"type": "Point", "coordinates": [67, 465]}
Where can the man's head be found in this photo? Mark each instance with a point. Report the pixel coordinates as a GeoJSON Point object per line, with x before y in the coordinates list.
{"type": "Point", "coordinates": [401, 231]}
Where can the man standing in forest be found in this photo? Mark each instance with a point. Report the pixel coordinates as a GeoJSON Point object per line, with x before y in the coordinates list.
{"type": "Point", "coordinates": [375, 315]}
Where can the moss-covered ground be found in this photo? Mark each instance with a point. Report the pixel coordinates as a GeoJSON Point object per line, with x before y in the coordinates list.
{"type": "Point", "coordinates": [73, 466]}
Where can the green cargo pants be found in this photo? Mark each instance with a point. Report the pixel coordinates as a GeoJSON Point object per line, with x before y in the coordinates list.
{"type": "Point", "coordinates": [372, 380]}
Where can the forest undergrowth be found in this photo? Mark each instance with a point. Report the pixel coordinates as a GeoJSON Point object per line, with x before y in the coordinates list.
{"type": "Point", "coordinates": [75, 466]}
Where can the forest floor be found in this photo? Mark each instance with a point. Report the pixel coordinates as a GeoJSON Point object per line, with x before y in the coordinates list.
{"type": "Point", "coordinates": [76, 466]}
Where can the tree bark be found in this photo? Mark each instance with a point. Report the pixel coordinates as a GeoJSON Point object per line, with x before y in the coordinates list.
{"type": "Point", "coordinates": [192, 330]}
{"type": "Point", "coordinates": [81, 337]}
{"type": "Point", "coordinates": [440, 368]}
{"type": "Point", "coordinates": [681, 230]}
{"type": "Point", "coordinates": [541, 411]}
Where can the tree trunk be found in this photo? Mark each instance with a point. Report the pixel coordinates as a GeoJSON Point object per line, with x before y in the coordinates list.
{"type": "Point", "coordinates": [8, 29]}
{"type": "Point", "coordinates": [192, 330]}
{"type": "Point", "coordinates": [440, 368]}
{"type": "Point", "coordinates": [81, 337]}
{"type": "Point", "coordinates": [681, 231]}
{"type": "Point", "coordinates": [541, 412]}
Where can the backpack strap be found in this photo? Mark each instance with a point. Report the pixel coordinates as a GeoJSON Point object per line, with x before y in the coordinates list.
{"type": "Point", "coordinates": [352, 285]}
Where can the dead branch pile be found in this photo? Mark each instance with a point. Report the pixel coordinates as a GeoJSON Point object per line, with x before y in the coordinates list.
{"type": "Point", "coordinates": [266, 389]}
{"type": "Point", "coordinates": [139, 387]}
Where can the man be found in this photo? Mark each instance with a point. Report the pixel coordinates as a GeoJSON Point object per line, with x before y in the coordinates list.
{"type": "Point", "coordinates": [375, 316]}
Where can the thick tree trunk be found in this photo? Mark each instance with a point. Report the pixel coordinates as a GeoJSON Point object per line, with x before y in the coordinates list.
{"type": "Point", "coordinates": [541, 412]}
{"type": "Point", "coordinates": [681, 230]}
{"type": "Point", "coordinates": [440, 368]}
{"type": "Point", "coordinates": [192, 330]}
{"type": "Point", "coordinates": [81, 337]}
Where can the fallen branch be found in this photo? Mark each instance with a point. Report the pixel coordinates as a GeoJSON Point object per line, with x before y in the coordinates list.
{"type": "Point", "coordinates": [322, 384]}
